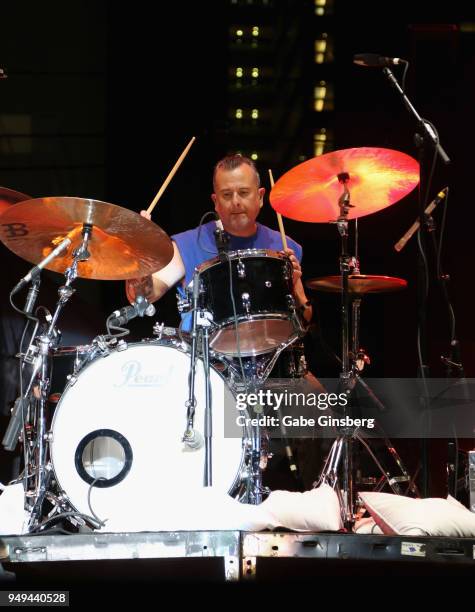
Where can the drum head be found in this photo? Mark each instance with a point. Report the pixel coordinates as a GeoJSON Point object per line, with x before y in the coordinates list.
{"type": "Point", "coordinates": [120, 426]}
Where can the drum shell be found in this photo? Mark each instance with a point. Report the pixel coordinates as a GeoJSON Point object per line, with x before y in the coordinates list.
{"type": "Point", "coordinates": [140, 395]}
{"type": "Point", "coordinates": [261, 284]}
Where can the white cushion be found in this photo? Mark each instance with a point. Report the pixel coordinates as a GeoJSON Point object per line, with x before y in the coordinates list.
{"type": "Point", "coordinates": [13, 518]}
{"type": "Point", "coordinates": [314, 510]}
{"type": "Point", "coordinates": [208, 509]}
{"type": "Point", "coordinates": [399, 515]}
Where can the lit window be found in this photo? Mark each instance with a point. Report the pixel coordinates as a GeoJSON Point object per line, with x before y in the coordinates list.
{"type": "Point", "coordinates": [321, 44]}
{"type": "Point", "coordinates": [320, 7]}
{"type": "Point", "coordinates": [322, 141]}
{"type": "Point", "coordinates": [323, 49]}
{"type": "Point", "coordinates": [323, 97]}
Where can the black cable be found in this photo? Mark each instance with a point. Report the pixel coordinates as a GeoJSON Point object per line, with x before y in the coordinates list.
{"type": "Point", "coordinates": [61, 515]}
{"type": "Point", "coordinates": [404, 74]}
{"type": "Point", "coordinates": [426, 276]}
{"type": "Point", "coordinates": [207, 214]}
{"type": "Point", "coordinates": [440, 275]}
{"type": "Point", "coordinates": [123, 331]}
{"type": "Point", "coordinates": [101, 522]}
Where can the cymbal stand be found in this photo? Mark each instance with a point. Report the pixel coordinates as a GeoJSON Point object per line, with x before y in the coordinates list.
{"type": "Point", "coordinates": [342, 449]}
{"type": "Point", "coordinates": [353, 361]}
{"type": "Point", "coordinates": [41, 374]}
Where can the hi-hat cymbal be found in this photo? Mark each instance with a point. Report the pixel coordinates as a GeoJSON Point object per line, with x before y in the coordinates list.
{"type": "Point", "coordinates": [358, 284]}
{"type": "Point", "coordinates": [9, 197]}
{"type": "Point", "coordinates": [123, 244]}
{"type": "Point", "coordinates": [377, 178]}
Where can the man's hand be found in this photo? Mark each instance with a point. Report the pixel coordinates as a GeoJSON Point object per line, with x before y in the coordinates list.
{"type": "Point", "coordinates": [297, 270]}
{"type": "Point", "coordinates": [299, 291]}
{"type": "Point", "coordinates": [147, 215]}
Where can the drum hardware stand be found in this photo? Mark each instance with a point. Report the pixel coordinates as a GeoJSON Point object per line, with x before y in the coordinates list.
{"type": "Point", "coordinates": [34, 499]}
{"type": "Point", "coordinates": [201, 322]}
{"type": "Point", "coordinates": [353, 362]}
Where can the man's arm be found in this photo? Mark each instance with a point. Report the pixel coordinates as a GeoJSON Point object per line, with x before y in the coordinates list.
{"type": "Point", "coordinates": [154, 286]}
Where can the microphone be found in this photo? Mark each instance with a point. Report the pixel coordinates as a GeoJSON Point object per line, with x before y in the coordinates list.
{"type": "Point", "coordinates": [373, 60]}
{"type": "Point", "coordinates": [139, 308]}
{"type": "Point", "coordinates": [415, 226]}
{"type": "Point", "coordinates": [12, 433]}
{"type": "Point", "coordinates": [193, 440]}
{"type": "Point", "coordinates": [220, 237]}
{"type": "Point", "coordinates": [33, 273]}
{"type": "Point", "coordinates": [32, 296]}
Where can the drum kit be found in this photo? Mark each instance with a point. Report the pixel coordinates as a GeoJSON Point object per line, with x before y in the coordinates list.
{"type": "Point", "coordinates": [149, 414]}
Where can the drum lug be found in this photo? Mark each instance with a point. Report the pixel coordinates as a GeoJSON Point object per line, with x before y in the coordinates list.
{"type": "Point", "coordinates": [71, 379]}
{"type": "Point", "coordinates": [183, 304]}
{"type": "Point", "coordinates": [246, 302]}
{"type": "Point", "coordinates": [241, 270]}
{"type": "Point", "coordinates": [122, 345]}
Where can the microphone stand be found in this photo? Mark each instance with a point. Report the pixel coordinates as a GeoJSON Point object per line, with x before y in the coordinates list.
{"type": "Point", "coordinates": [41, 372]}
{"type": "Point", "coordinates": [427, 135]}
{"type": "Point", "coordinates": [200, 329]}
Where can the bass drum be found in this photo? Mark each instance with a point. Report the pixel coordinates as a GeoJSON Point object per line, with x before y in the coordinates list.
{"type": "Point", "coordinates": [119, 424]}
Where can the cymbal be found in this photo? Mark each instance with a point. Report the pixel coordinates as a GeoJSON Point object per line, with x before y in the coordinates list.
{"type": "Point", "coordinates": [377, 178]}
{"type": "Point", "coordinates": [358, 284]}
{"type": "Point", "coordinates": [9, 197]}
{"type": "Point", "coordinates": [123, 244]}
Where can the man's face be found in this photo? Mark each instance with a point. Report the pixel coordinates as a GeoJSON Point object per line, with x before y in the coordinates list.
{"type": "Point", "coordinates": [238, 199]}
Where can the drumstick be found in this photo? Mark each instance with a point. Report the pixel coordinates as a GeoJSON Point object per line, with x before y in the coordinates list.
{"type": "Point", "coordinates": [170, 176]}
{"type": "Point", "coordinates": [279, 216]}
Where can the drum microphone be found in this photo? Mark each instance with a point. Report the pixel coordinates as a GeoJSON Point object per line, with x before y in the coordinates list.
{"type": "Point", "coordinates": [10, 439]}
{"type": "Point", "coordinates": [33, 273]}
{"type": "Point", "coordinates": [373, 60]}
{"type": "Point", "coordinates": [139, 308]}
{"type": "Point", "coordinates": [220, 237]}
{"type": "Point", "coordinates": [193, 440]}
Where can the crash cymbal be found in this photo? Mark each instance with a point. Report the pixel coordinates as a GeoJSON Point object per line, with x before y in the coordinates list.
{"type": "Point", "coordinates": [377, 178]}
{"type": "Point", "coordinates": [9, 197]}
{"type": "Point", "coordinates": [123, 244]}
{"type": "Point", "coordinates": [358, 284]}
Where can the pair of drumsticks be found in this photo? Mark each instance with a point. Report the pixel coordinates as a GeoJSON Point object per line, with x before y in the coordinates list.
{"type": "Point", "coordinates": [173, 172]}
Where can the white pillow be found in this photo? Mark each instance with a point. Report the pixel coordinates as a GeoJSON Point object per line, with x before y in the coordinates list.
{"type": "Point", "coordinates": [314, 510]}
{"type": "Point", "coordinates": [210, 509]}
{"type": "Point", "coordinates": [399, 515]}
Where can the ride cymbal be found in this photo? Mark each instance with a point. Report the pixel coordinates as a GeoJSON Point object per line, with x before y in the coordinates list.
{"type": "Point", "coordinates": [378, 178]}
{"type": "Point", "coordinates": [123, 244]}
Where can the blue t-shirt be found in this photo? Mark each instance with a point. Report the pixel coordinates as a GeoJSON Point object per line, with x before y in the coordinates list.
{"type": "Point", "coordinates": [197, 246]}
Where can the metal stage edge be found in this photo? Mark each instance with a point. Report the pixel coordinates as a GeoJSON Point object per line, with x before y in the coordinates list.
{"type": "Point", "coordinates": [239, 550]}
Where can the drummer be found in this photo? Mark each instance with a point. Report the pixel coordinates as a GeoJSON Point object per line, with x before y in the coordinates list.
{"type": "Point", "coordinates": [238, 198]}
